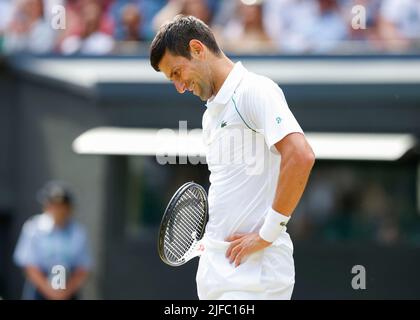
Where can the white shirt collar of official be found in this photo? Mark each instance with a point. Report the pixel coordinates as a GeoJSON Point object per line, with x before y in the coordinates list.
{"type": "Point", "coordinates": [46, 223]}
{"type": "Point", "coordinates": [229, 86]}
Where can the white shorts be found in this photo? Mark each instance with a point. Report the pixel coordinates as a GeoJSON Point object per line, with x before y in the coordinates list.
{"type": "Point", "coordinates": [265, 275]}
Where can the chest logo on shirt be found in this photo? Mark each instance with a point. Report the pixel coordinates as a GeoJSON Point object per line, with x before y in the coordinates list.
{"type": "Point", "coordinates": [278, 119]}
{"type": "Point", "coordinates": [223, 124]}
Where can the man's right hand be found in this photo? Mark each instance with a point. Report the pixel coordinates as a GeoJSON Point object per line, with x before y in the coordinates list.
{"type": "Point", "coordinates": [56, 294]}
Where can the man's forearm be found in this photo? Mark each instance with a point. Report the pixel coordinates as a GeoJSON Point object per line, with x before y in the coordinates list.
{"type": "Point", "coordinates": [39, 280]}
{"type": "Point", "coordinates": [295, 168]}
{"type": "Point", "coordinates": [76, 281]}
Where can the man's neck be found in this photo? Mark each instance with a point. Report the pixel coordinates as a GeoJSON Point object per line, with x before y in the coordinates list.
{"type": "Point", "coordinates": [222, 67]}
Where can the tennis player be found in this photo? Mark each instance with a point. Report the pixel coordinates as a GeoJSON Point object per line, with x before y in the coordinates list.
{"type": "Point", "coordinates": [249, 254]}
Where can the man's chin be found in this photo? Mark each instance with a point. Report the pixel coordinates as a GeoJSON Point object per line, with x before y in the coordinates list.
{"type": "Point", "coordinates": [203, 97]}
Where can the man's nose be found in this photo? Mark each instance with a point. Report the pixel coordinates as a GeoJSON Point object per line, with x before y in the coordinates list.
{"type": "Point", "coordinates": [180, 86]}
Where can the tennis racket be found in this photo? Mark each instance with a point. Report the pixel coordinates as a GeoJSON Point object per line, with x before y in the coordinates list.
{"type": "Point", "coordinates": [183, 224]}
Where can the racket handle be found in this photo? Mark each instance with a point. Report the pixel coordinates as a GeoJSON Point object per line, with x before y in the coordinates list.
{"type": "Point", "coordinates": [196, 250]}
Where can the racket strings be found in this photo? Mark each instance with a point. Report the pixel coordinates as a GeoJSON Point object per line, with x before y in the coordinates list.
{"type": "Point", "coordinates": [180, 236]}
{"type": "Point", "coordinates": [186, 224]}
{"type": "Point", "coordinates": [199, 215]}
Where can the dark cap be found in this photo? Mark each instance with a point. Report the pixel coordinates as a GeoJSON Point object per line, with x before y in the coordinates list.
{"type": "Point", "coordinates": [55, 191]}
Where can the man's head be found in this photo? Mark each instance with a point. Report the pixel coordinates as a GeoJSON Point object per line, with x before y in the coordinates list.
{"type": "Point", "coordinates": [57, 199]}
{"type": "Point", "coordinates": [131, 20]}
{"type": "Point", "coordinates": [184, 50]}
{"type": "Point", "coordinates": [91, 13]}
{"type": "Point", "coordinates": [32, 10]}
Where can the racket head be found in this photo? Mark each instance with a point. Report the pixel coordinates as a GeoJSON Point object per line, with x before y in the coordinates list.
{"type": "Point", "coordinates": [175, 243]}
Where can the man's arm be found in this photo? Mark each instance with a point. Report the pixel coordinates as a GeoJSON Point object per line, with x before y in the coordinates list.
{"type": "Point", "coordinates": [297, 160]}
{"type": "Point", "coordinates": [76, 281]}
{"type": "Point", "coordinates": [42, 283]}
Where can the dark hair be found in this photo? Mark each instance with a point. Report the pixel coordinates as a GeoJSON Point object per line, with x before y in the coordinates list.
{"type": "Point", "coordinates": [176, 35]}
{"type": "Point", "coordinates": [55, 192]}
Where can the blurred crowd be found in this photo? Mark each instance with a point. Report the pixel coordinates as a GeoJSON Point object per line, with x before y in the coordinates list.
{"type": "Point", "coordinates": [358, 202]}
{"type": "Point", "coordinates": [95, 27]}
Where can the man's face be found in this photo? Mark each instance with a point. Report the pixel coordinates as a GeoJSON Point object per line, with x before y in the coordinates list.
{"type": "Point", "coordinates": [60, 211]}
{"type": "Point", "coordinates": [188, 75]}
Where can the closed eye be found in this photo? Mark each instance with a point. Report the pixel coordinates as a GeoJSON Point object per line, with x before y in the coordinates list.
{"type": "Point", "coordinates": [175, 75]}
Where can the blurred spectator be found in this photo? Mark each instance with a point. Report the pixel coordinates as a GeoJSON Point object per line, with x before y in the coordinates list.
{"type": "Point", "coordinates": [49, 10]}
{"type": "Point", "coordinates": [28, 30]}
{"type": "Point", "coordinates": [317, 207]}
{"type": "Point", "coordinates": [131, 22]}
{"type": "Point", "coordinates": [353, 202]}
{"type": "Point", "coordinates": [245, 32]}
{"type": "Point", "coordinates": [321, 197]}
{"type": "Point", "coordinates": [147, 10]}
{"type": "Point", "coordinates": [90, 40]}
{"type": "Point", "coordinates": [200, 9]}
{"type": "Point", "coordinates": [224, 13]}
{"type": "Point", "coordinates": [129, 31]}
{"type": "Point", "coordinates": [400, 23]}
{"type": "Point", "coordinates": [51, 239]}
{"type": "Point", "coordinates": [6, 10]}
{"type": "Point", "coordinates": [74, 13]}
{"type": "Point", "coordinates": [371, 9]}
{"type": "Point", "coordinates": [287, 22]}
{"type": "Point", "coordinates": [328, 28]}
{"type": "Point", "coordinates": [242, 26]}
{"type": "Point", "coordinates": [379, 213]}
{"type": "Point", "coordinates": [300, 26]}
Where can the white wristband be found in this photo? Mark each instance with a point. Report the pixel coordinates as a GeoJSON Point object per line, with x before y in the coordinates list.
{"type": "Point", "coordinates": [274, 225]}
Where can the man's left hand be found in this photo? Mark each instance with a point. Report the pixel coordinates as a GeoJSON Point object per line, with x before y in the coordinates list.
{"type": "Point", "coordinates": [242, 245]}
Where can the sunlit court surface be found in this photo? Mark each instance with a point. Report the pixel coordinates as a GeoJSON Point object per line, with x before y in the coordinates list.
{"type": "Point", "coordinates": [209, 150]}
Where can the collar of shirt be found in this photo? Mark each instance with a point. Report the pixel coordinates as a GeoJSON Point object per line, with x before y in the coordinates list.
{"type": "Point", "coordinates": [46, 224]}
{"type": "Point", "coordinates": [228, 88]}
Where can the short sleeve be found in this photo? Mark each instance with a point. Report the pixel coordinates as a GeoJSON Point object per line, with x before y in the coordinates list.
{"type": "Point", "coordinates": [83, 258]}
{"type": "Point", "coordinates": [267, 110]}
{"type": "Point", "coordinates": [25, 251]}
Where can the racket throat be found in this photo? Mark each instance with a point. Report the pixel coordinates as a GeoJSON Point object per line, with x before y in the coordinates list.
{"type": "Point", "coordinates": [196, 250]}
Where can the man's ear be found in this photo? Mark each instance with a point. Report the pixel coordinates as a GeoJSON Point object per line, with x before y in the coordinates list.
{"type": "Point", "coordinates": [197, 49]}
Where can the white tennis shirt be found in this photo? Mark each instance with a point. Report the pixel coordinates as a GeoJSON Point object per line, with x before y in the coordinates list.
{"type": "Point", "coordinates": [242, 123]}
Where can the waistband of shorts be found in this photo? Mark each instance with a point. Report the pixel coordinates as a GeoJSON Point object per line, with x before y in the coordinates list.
{"type": "Point", "coordinates": [214, 244]}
